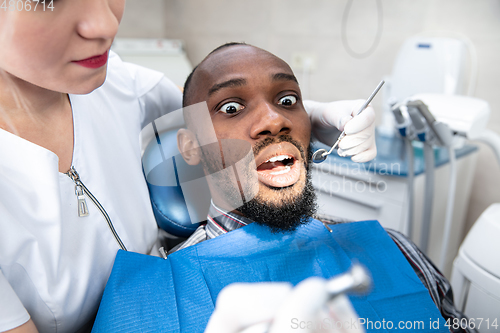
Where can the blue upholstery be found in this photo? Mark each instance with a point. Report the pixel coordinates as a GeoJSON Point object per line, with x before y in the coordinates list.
{"type": "Point", "coordinates": [161, 162]}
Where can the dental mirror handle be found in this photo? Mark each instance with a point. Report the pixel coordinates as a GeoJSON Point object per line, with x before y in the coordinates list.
{"type": "Point", "coordinates": [368, 101]}
{"type": "Point", "coordinates": [323, 152]}
{"type": "Point", "coordinates": [361, 109]}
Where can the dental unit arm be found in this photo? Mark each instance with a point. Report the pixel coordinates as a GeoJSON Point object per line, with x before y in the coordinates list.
{"type": "Point", "coordinates": [447, 121]}
{"type": "Point", "coordinates": [466, 117]}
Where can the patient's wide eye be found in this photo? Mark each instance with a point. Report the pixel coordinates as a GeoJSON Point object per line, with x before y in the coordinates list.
{"type": "Point", "coordinates": [232, 107]}
{"type": "Point", "coordinates": [288, 100]}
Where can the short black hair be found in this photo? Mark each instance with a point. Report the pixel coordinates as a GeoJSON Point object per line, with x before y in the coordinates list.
{"type": "Point", "coordinates": [187, 84]}
{"type": "Point", "coordinates": [226, 45]}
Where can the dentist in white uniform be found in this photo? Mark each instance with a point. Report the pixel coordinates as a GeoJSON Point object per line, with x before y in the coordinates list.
{"type": "Point", "coordinates": [72, 191]}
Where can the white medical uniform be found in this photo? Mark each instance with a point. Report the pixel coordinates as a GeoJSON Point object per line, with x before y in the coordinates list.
{"type": "Point", "coordinates": [55, 264]}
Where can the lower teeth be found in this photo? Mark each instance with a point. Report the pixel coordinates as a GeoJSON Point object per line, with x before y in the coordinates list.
{"type": "Point", "coordinates": [287, 168]}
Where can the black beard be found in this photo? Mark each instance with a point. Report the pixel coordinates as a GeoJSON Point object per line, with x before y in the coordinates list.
{"type": "Point", "coordinates": [291, 214]}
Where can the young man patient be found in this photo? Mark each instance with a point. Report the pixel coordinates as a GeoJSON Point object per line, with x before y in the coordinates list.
{"type": "Point", "coordinates": [247, 126]}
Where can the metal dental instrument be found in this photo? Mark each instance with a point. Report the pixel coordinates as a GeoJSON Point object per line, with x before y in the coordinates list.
{"type": "Point", "coordinates": [356, 281]}
{"type": "Point", "coordinates": [321, 154]}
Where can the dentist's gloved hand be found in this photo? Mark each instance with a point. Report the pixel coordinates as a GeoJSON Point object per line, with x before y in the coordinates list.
{"type": "Point", "coordinates": [251, 307]}
{"type": "Point", "coordinates": [359, 141]}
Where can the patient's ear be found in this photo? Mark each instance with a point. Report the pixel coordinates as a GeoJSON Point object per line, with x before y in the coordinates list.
{"type": "Point", "coordinates": [188, 146]}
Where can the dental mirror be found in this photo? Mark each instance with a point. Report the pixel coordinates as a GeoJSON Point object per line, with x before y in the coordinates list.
{"type": "Point", "coordinates": [320, 155]}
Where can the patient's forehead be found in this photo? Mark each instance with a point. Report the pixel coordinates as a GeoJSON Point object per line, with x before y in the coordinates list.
{"type": "Point", "coordinates": [234, 61]}
{"type": "Point", "coordinates": [238, 57]}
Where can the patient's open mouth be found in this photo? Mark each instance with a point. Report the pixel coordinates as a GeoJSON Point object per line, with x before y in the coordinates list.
{"type": "Point", "coordinates": [280, 167]}
{"type": "Point", "coordinates": [277, 165]}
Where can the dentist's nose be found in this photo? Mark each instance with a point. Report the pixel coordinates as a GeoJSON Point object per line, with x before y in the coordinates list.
{"type": "Point", "coordinates": [100, 18]}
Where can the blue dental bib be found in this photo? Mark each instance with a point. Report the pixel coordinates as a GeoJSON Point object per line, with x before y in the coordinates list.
{"type": "Point", "coordinates": [150, 294]}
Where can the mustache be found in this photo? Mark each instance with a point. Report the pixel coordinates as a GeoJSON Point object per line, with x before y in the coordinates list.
{"type": "Point", "coordinates": [259, 146]}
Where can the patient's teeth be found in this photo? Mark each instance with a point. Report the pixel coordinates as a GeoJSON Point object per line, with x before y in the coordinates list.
{"type": "Point", "coordinates": [287, 168]}
{"type": "Point", "coordinates": [278, 158]}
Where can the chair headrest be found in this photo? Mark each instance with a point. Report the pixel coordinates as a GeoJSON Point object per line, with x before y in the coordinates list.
{"type": "Point", "coordinates": [179, 194]}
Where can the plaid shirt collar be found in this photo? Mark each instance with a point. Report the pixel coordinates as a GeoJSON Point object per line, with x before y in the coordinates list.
{"type": "Point", "coordinates": [220, 221]}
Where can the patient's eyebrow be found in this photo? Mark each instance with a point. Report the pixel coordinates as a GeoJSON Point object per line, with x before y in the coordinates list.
{"type": "Point", "coordinates": [284, 77]}
{"type": "Point", "coordinates": [226, 84]}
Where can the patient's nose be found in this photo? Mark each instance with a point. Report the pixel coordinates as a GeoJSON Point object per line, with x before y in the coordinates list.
{"type": "Point", "coordinates": [269, 121]}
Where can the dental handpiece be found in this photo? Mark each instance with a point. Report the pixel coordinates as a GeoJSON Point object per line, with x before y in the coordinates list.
{"type": "Point", "coordinates": [356, 280]}
{"type": "Point", "coordinates": [321, 154]}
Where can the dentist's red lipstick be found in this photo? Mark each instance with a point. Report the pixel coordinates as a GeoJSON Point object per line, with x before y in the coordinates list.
{"type": "Point", "coordinates": [94, 62]}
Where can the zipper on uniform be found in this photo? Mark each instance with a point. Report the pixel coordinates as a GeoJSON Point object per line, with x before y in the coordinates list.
{"type": "Point", "coordinates": [80, 191]}
{"type": "Point", "coordinates": [83, 209]}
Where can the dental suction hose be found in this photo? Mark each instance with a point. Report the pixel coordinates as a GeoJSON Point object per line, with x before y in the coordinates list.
{"type": "Point", "coordinates": [434, 133]}
{"type": "Point", "coordinates": [492, 139]}
{"type": "Point", "coordinates": [411, 179]}
{"type": "Point", "coordinates": [449, 208]}
{"type": "Point", "coordinates": [422, 132]}
{"type": "Point", "coordinates": [488, 137]}
{"type": "Point", "coordinates": [428, 197]}
{"type": "Point", "coordinates": [403, 124]}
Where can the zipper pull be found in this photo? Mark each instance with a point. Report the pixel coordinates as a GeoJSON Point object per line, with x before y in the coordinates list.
{"type": "Point", "coordinates": [81, 191]}
{"type": "Point", "coordinates": [83, 209]}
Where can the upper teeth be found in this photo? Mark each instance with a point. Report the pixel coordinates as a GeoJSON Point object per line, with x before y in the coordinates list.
{"type": "Point", "coordinates": [278, 158]}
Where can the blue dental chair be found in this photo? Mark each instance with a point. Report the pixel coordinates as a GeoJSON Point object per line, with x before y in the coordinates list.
{"type": "Point", "coordinates": [179, 196]}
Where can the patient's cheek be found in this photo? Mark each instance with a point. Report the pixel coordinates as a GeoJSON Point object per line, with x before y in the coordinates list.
{"type": "Point", "coordinates": [231, 172]}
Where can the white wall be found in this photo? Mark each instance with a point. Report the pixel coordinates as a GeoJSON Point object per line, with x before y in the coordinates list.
{"type": "Point", "coordinates": [285, 27]}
